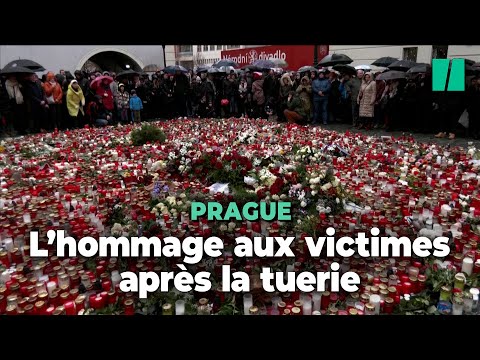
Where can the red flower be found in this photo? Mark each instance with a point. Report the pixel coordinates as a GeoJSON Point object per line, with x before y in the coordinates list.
{"type": "Point", "coordinates": [234, 165]}
{"type": "Point", "coordinates": [219, 165]}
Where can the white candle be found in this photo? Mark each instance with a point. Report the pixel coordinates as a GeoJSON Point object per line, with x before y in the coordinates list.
{"type": "Point", "coordinates": [307, 307]}
{"type": "Point", "coordinates": [275, 301]}
{"type": "Point", "coordinates": [4, 277]}
{"type": "Point", "coordinates": [180, 307]}
{"type": "Point", "coordinates": [316, 297]}
{"type": "Point", "coordinates": [26, 218]}
{"type": "Point", "coordinates": [375, 301]}
{"type": "Point", "coordinates": [446, 210]}
{"type": "Point", "coordinates": [8, 242]}
{"type": "Point", "coordinates": [247, 303]}
{"type": "Point", "coordinates": [467, 265]}
{"type": "Point", "coordinates": [116, 278]}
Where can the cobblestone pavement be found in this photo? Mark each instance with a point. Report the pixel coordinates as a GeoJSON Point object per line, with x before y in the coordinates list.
{"type": "Point", "coordinates": [458, 141]}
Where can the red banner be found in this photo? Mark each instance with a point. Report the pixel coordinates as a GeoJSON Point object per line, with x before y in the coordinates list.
{"type": "Point", "coordinates": [295, 55]}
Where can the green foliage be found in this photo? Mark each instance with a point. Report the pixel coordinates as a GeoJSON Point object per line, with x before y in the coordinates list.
{"type": "Point", "coordinates": [147, 133]}
{"type": "Point", "coordinates": [438, 278]}
{"type": "Point", "coordinates": [420, 304]}
{"type": "Point", "coordinates": [232, 177]}
{"type": "Point", "coordinates": [241, 196]}
{"type": "Point", "coordinates": [229, 307]}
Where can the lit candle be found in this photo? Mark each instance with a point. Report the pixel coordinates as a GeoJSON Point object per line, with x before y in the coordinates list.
{"type": "Point", "coordinates": [180, 307]}
{"type": "Point", "coordinates": [51, 286]}
{"type": "Point", "coordinates": [467, 265]}
{"type": "Point", "coordinates": [375, 301]}
{"type": "Point", "coordinates": [26, 218]}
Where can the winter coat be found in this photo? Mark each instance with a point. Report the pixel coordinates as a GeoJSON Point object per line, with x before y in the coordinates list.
{"type": "Point", "coordinates": [353, 88]}
{"type": "Point", "coordinates": [322, 85]}
{"type": "Point", "coordinates": [107, 96]}
{"type": "Point", "coordinates": [181, 84]}
{"type": "Point", "coordinates": [123, 100]}
{"type": "Point", "coordinates": [13, 89]}
{"type": "Point", "coordinates": [75, 101]}
{"type": "Point", "coordinates": [135, 103]}
{"type": "Point", "coordinates": [257, 90]}
{"type": "Point", "coordinates": [271, 86]}
{"type": "Point", "coordinates": [34, 94]}
{"type": "Point", "coordinates": [296, 104]}
{"type": "Point", "coordinates": [366, 98]}
{"type": "Point", "coordinates": [5, 103]}
{"type": "Point", "coordinates": [285, 89]}
{"type": "Point", "coordinates": [304, 90]}
{"type": "Point", "coordinates": [209, 91]}
{"type": "Point", "coordinates": [230, 88]}
{"type": "Point", "coordinates": [53, 89]}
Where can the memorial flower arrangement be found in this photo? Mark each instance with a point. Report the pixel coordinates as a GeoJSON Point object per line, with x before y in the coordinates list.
{"type": "Point", "coordinates": [95, 181]}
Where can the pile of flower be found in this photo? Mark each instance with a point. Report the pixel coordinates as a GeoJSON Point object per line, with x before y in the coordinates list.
{"type": "Point", "coordinates": [94, 181]}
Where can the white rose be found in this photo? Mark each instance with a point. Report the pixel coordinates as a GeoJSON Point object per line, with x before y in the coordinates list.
{"type": "Point", "coordinates": [275, 197]}
{"type": "Point", "coordinates": [314, 192]}
{"type": "Point", "coordinates": [223, 227]}
{"type": "Point", "coordinates": [326, 187]}
{"type": "Point", "coordinates": [179, 203]}
{"type": "Point", "coordinates": [303, 204]}
{"type": "Point", "coordinates": [283, 196]}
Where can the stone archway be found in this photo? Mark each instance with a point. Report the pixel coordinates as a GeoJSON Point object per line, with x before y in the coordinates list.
{"type": "Point", "coordinates": [111, 59]}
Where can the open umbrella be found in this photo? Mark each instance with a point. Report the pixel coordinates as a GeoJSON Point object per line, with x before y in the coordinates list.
{"type": "Point", "coordinates": [128, 72]}
{"type": "Point", "coordinates": [225, 69]}
{"type": "Point", "coordinates": [420, 68]}
{"type": "Point", "coordinates": [151, 68]}
{"type": "Point", "coordinates": [363, 67]}
{"type": "Point", "coordinates": [384, 61]}
{"type": "Point", "coordinates": [345, 69]}
{"type": "Point", "coordinates": [14, 69]}
{"type": "Point", "coordinates": [29, 64]}
{"type": "Point", "coordinates": [213, 70]}
{"type": "Point", "coordinates": [279, 63]}
{"type": "Point", "coordinates": [306, 68]}
{"type": "Point", "coordinates": [264, 64]}
{"type": "Point", "coordinates": [392, 75]}
{"type": "Point", "coordinates": [402, 65]}
{"type": "Point", "coordinates": [225, 62]}
{"type": "Point", "coordinates": [174, 68]}
{"type": "Point", "coordinates": [251, 67]}
{"type": "Point", "coordinates": [97, 81]}
{"type": "Point", "coordinates": [334, 59]}
{"type": "Point", "coordinates": [202, 69]}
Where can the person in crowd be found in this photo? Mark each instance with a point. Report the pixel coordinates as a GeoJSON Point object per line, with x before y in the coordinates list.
{"type": "Point", "coordinates": [197, 93]}
{"type": "Point", "coordinates": [105, 92]}
{"type": "Point", "coordinates": [451, 105]}
{"type": "Point", "coordinates": [82, 81]}
{"type": "Point", "coordinates": [6, 112]}
{"type": "Point", "coordinates": [473, 108]}
{"type": "Point", "coordinates": [271, 88]}
{"type": "Point", "coordinates": [15, 115]}
{"type": "Point", "coordinates": [394, 94]}
{"type": "Point", "coordinates": [114, 89]}
{"type": "Point", "coordinates": [97, 112]}
{"type": "Point", "coordinates": [250, 80]}
{"type": "Point", "coordinates": [408, 114]}
{"type": "Point", "coordinates": [207, 103]}
{"type": "Point", "coordinates": [231, 90]}
{"type": "Point", "coordinates": [37, 104]}
{"type": "Point", "coordinates": [123, 103]}
{"type": "Point", "coordinates": [424, 102]}
{"type": "Point", "coordinates": [258, 96]}
{"type": "Point", "coordinates": [166, 91]}
{"type": "Point", "coordinates": [54, 93]}
{"type": "Point", "coordinates": [334, 97]}
{"type": "Point", "coordinates": [136, 106]}
{"type": "Point", "coordinates": [295, 111]}
{"type": "Point", "coordinates": [297, 80]}
{"type": "Point", "coordinates": [353, 85]}
{"type": "Point", "coordinates": [379, 106]}
{"type": "Point", "coordinates": [242, 96]}
{"type": "Point", "coordinates": [75, 104]}
{"type": "Point", "coordinates": [321, 90]}
{"type": "Point", "coordinates": [180, 89]}
{"type": "Point", "coordinates": [62, 72]}
{"type": "Point", "coordinates": [286, 86]}
{"type": "Point", "coordinates": [366, 101]}
{"type": "Point", "coordinates": [305, 92]}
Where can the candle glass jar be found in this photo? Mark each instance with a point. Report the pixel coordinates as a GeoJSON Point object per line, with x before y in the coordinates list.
{"type": "Point", "coordinates": [457, 306]}
{"type": "Point", "coordinates": [203, 307]}
{"type": "Point", "coordinates": [369, 309]}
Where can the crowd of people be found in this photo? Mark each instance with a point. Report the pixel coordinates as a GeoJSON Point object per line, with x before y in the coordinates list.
{"type": "Point", "coordinates": [60, 101]}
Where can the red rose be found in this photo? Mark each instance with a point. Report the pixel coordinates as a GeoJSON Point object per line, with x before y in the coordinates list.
{"type": "Point", "coordinates": [219, 165]}
{"type": "Point", "coordinates": [234, 165]}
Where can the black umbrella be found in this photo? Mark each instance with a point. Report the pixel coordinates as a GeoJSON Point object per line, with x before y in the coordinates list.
{"type": "Point", "coordinates": [392, 75]}
{"type": "Point", "coordinates": [225, 62]}
{"type": "Point", "coordinates": [420, 68]}
{"type": "Point", "coordinates": [151, 68]}
{"type": "Point", "coordinates": [14, 69]}
{"type": "Point", "coordinates": [173, 68]}
{"type": "Point", "coordinates": [402, 65]}
{"type": "Point", "coordinates": [469, 62]}
{"type": "Point", "coordinates": [213, 70]}
{"type": "Point", "coordinates": [29, 64]}
{"type": "Point", "coordinates": [128, 72]}
{"type": "Point", "coordinates": [384, 61]}
{"type": "Point", "coordinates": [225, 69]}
{"type": "Point", "coordinates": [345, 69]}
{"type": "Point", "coordinates": [306, 68]}
{"type": "Point", "coordinates": [334, 59]}
{"type": "Point", "coordinates": [264, 64]}
{"type": "Point", "coordinates": [202, 69]}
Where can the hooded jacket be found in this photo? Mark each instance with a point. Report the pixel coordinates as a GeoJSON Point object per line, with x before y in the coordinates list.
{"type": "Point", "coordinates": [305, 91]}
{"type": "Point", "coordinates": [258, 94]}
{"type": "Point", "coordinates": [75, 100]}
{"type": "Point", "coordinates": [322, 85]}
{"type": "Point", "coordinates": [285, 88]}
{"type": "Point", "coordinates": [53, 88]}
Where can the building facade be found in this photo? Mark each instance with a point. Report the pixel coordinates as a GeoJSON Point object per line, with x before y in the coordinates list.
{"type": "Point", "coordinates": [190, 56]}
{"type": "Point", "coordinates": [75, 57]}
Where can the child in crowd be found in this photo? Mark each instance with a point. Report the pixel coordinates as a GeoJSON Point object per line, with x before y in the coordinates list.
{"type": "Point", "coordinates": [136, 106]}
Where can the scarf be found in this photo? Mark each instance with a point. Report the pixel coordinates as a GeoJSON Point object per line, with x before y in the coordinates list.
{"type": "Point", "coordinates": [13, 90]}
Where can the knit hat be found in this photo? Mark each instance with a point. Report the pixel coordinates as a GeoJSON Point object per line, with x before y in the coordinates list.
{"type": "Point", "coordinates": [120, 85]}
{"type": "Point", "coordinates": [73, 81]}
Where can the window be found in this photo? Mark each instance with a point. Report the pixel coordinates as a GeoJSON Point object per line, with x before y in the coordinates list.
{"type": "Point", "coordinates": [205, 47]}
{"type": "Point", "coordinates": [233, 46]}
{"type": "Point", "coordinates": [219, 47]}
{"type": "Point", "coordinates": [212, 47]}
{"type": "Point", "coordinates": [199, 48]}
{"type": "Point", "coordinates": [186, 48]}
{"type": "Point", "coordinates": [439, 51]}
{"type": "Point", "coordinates": [410, 53]}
